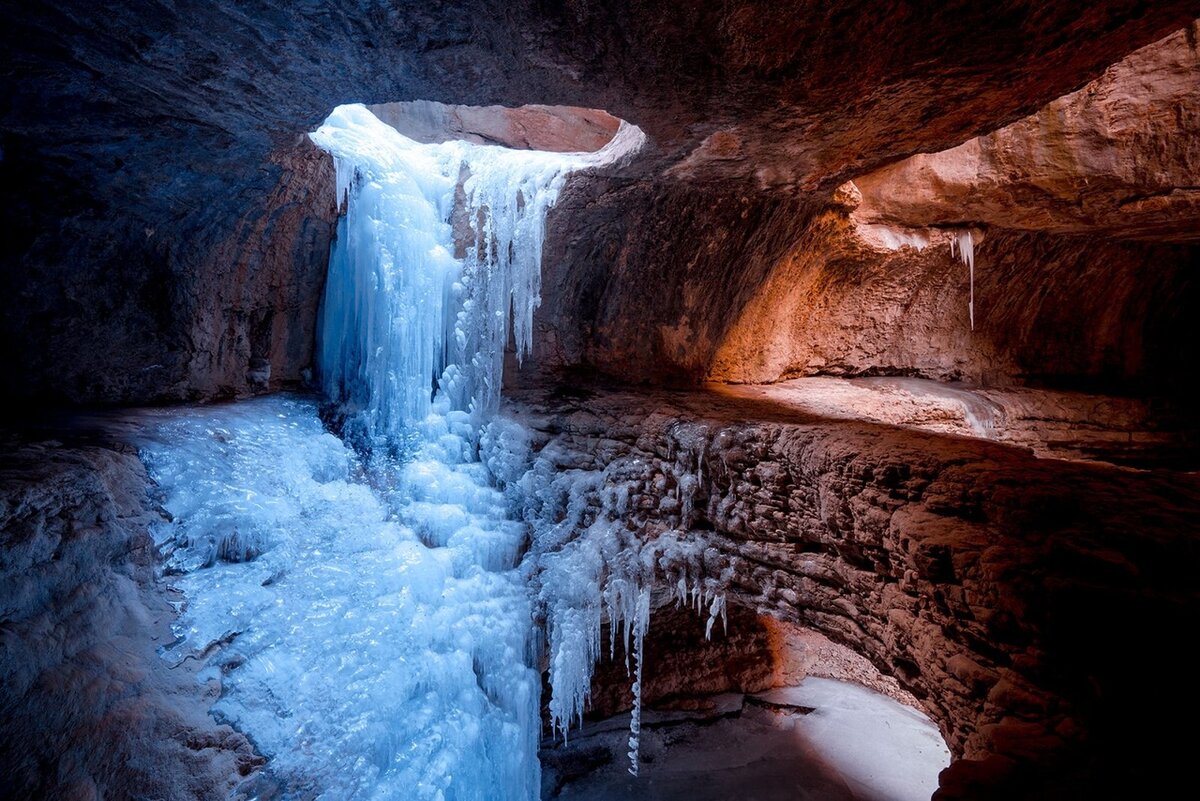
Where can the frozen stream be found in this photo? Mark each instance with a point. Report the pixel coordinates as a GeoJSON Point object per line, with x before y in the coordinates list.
{"type": "Point", "coordinates": [376, 643]}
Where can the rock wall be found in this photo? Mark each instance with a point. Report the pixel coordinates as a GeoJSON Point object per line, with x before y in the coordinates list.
{"type": "Point", "coordinates": [1024, 602]}
{"type": "Point", "coordinates": [558, 129]}
{"type": "Point", "coordinates": [1084, 223]}
{"type": "Point", "coordinates": [1119, 157]}
{"type": "Point", "coordinates": [145, 148]}
{"type": "Point", "coordinates": [117, 308]}
{"type": "Point", "coordinates": [89, 710]}
{"type": "Point", "coordinates": [850, 298]}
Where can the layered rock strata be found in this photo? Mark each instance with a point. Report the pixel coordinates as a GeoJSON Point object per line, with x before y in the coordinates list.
{"type": "Point", "coordinates": [1019, 599]}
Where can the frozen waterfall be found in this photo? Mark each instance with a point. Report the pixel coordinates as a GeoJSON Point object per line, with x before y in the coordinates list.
{"type": "Point", "coordinates": [404, 320]}
{"type": "Point", "coordinates": [361, 609]}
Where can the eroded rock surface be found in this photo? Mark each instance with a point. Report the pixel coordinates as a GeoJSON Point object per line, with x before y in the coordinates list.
{"type": "Point", "coordinates": [849, 298]}
{"type": "Point", "coordinates": [1051, 424]}
{"type": "Point", "coordinates": [1121, 157]}
{"type": "Point", "coordinates": [88, 709]}
{"type": "Point", "coordinates": [993, 585]}
{"type": "Point", "coordinates": [559, 129]}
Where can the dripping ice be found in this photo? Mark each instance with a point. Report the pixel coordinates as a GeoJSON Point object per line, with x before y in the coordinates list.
{"type": "Point", "coordinates": [962, 244]}
{"type": "Point", "coordinates": [404, 320]}
{"type": "Point", "coordinates": [594, 561]}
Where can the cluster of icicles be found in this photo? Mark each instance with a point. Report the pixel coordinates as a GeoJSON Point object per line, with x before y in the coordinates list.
{"type": "Point", "coordinates": [409, 330]}
{"type": "Point", "coordinates": [595, 562]}
{"type": "Point", "coordinates": [404, 320]}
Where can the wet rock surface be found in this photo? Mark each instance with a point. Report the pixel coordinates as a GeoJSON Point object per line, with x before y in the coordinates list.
{"type": "Point", "coordinates": [991, 584]}
{"type": "Point", "coordinates": [88, 709]}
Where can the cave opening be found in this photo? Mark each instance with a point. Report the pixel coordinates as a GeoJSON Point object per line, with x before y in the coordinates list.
{"type": "Point", "coordinates": [486, 568]}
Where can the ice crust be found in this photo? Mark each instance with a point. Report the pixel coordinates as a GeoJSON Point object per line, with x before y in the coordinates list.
{"type": "Point", "coordinates": [365, 663]}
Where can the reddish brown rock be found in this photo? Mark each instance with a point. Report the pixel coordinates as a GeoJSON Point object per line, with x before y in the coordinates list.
{"type": "Point", "coordinates": [1121, 156]}
{"type": "Point", "coordinates": [560, 129]}
{"type": "Point", "coordinates": [789, 293]}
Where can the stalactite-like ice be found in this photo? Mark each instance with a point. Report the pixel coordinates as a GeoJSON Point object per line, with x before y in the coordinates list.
{"type": "Point", "coordinates": [962, 244]}
{"type": "Point", "coordinates": [402, 317]}
{"type": "Point", "coordinates": [594, 558]}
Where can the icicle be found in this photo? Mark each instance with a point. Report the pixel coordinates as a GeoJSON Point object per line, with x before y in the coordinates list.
{"type": "Point", "coordinates": [635, 721]}
{"type": "Point", "coordinates": [716, 609]}
{"type": "Point", "coordinates": [963, 245]}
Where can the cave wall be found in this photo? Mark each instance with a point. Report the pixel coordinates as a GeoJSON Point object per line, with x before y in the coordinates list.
{"type": "Point", "coordinates": [1066, 311]}
{"type": "Point", "coordinates": [1084, 220]}
{"type": "Point", "coordinates": [641, 278]}
{"type": "Point", "coordinates": [1120, 157]}
{"type": "Point", "coordinates": [143, 146]}
{"type": "Point", "coordinates": [1024, 602]}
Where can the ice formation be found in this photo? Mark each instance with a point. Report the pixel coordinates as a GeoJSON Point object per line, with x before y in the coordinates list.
{"type": "Point", "coordinates": [596, 559]}
{"type": "Point", "coordinates": [374, 642]}
{"type": "Point", "coordinates": [404, 319]}
{"type": "Point", "coordinates": [371, 622]}
{"type": "Point", "coordinates": [962, 244]}
{"type": "Point", "coordinates": [363, 608]}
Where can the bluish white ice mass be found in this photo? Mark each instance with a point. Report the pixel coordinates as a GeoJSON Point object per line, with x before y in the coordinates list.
{"type": "Point", "coordinates": [403, 317]}
{"type": "Point", "coordinates": [374, 642]}
{"type": "Point", "coordinates": [364, 610]}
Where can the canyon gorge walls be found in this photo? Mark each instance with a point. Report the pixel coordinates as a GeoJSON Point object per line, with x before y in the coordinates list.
{"type": "Point", "coordinates": [807, 171]}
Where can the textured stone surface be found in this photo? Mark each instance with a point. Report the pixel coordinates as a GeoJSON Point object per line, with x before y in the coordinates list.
{"type": "Point", "coordinates": [88, 710]}
{"type": "Point", "coordinates": [1121, 156]}
{"type": "Point", "coordinates": [1020, 600]}
{"type": "Point", "coordinates": [853, 298]}
{"type": "Point", "coordinates": [739, 286]}
{"type": "Point", "coordinates": [1051, 424]}
{"type": "Point", "coordinates": [143, 145]}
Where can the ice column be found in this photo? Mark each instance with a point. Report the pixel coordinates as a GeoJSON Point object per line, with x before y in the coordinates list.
{"type": "Point", "coordinates": [404, 321]}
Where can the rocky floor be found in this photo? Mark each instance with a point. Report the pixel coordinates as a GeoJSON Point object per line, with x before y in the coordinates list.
{"type": "Point", "coordinates": [1022, 601]}
{"type": "Point", "coordinates": [822, 740]}
{"type": "Point", "coordinates": [993, 584]}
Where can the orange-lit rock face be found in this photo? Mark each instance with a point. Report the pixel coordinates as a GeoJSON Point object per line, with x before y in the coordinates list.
{"type": "Point", "coordinates": [871, 286]}
{"type": "Point", "coordinates": [858, 299]}
{"type": "Point", "coordinates": [1121, 157]}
